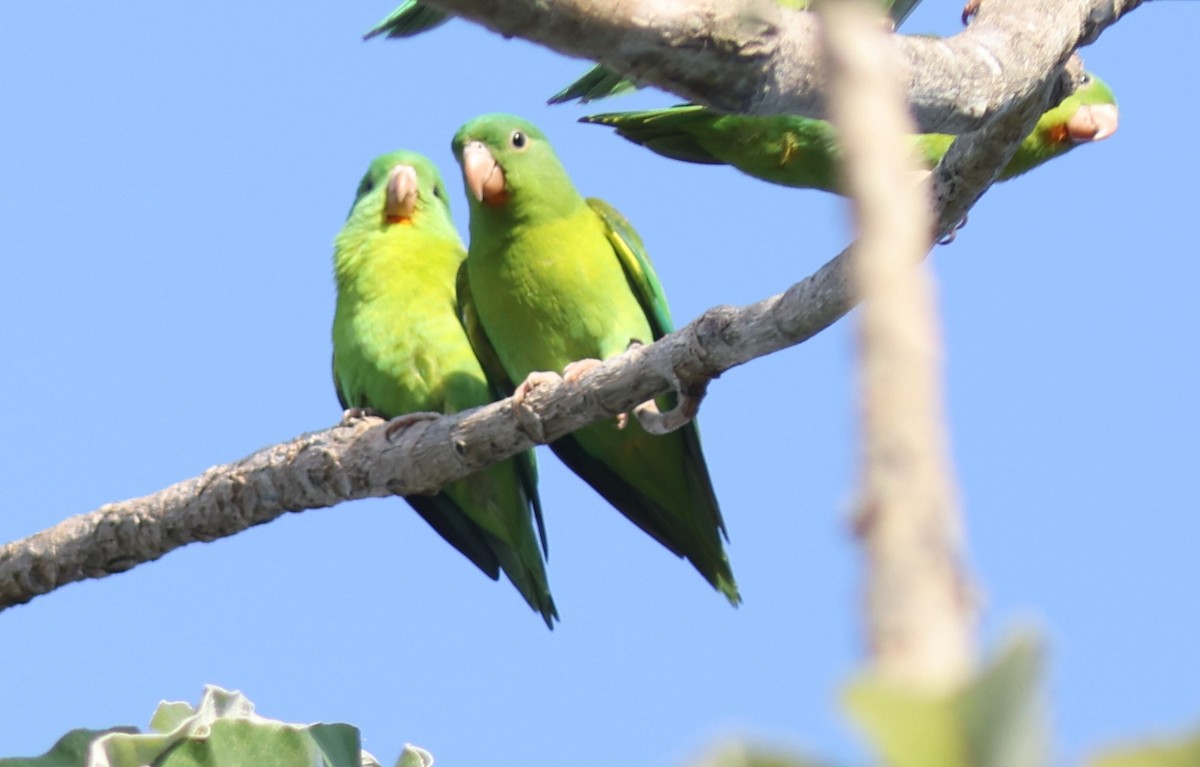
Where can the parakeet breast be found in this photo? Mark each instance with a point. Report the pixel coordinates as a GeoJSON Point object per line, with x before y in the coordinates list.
{"type": "Point", "coordinates": [398, 345]}
{"type": "Point", "coordinates": [552, 292]}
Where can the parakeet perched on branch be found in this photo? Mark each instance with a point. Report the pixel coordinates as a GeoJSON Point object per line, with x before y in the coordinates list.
{"type": "Point", "coordinates": [803, 152]}
{"type": "Point", "coordinates": [398, 347]}
{"type": "Point", "coordinates": [553, 278]}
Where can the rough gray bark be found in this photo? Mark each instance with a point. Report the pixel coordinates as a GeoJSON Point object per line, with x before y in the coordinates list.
{"type": "Point", "coordinates": [754, 57]}
{"type": "Point", "coordinates": [356, 461]}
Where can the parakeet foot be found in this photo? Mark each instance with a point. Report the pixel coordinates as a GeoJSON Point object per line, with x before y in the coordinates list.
{"type": "Point", "coordinates": [578, 369]}
{"type": "Point", "coordinates": [402, 422]}
{"type": "Point", "coordinates": [970, 9]}
{"type": "Point", "coordinates": [350, 415]}
{"type": "Point", "coordinates": [949, 238]}
{"type": "Point", "coordinates": [653, 420]}
{"type": "Point", "coordinates": [529, 422]}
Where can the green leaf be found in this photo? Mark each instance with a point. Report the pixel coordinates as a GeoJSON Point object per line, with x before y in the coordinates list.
{"type": "Point", "coordinates": [71, 750]}
{"type": "Point", "coordinates": [997, 720]}
{"type": "Point", "coordinates": [1184, 753]}
{"type": "Point", "coordinates": [224, 731]}
{"type": "Point", "coordinates": [909, 730]}
{"type": "Point", "coordinates": [1005, 712]}
{"type": "Point", "coordinates": [412, 756]}
{"type": "Point", "coordinates": [246, 743]}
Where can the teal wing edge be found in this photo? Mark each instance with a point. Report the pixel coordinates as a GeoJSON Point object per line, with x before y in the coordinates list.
{"type": "Point", "coordinates": [630, 251]}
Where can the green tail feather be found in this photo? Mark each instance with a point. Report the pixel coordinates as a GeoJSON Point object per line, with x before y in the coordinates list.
{"type": "Point", "coordinates": [410, 18]}
{"type": "Point", "coordinates": [599, 82]}
{"type": "Point", "coordinates": [444, 516]}
{"type": "Point", "coordinates": [692, 542]}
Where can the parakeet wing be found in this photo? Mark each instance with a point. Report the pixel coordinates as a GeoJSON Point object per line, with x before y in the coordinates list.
{"type": "Point", "coordinates": [663, 131]}
{"type": "Point", "coordinates": [501, 387]}
{"type": "Point", "coordinates": [630, 251]}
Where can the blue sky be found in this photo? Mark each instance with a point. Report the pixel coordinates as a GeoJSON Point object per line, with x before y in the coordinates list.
{"type": "Point", "coordinates": [173, 178]}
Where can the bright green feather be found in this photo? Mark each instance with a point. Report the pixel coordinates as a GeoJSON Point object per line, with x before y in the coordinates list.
{"type": "Point", "coordinates": [554, 278]}
{"type": "Point", "coordinates": [399, 348]}
{"type": "Point", "coordinates": [803, 152]}
{"type": "Point", "coordinates": [410, 18]}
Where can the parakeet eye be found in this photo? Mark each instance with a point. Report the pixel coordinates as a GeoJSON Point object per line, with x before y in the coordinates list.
{"type": "Point", "coordinates": [1086, 79]}
{"type": "Point", "coordinates": [518, 140]}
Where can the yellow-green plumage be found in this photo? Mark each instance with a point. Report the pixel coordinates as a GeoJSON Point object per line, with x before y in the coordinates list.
{"type": "Point", "coordinates": [399, 348]}
{"type": "Point", "coordinates": [804, 153]}
{"type": "Point", "coordinates": [555, 278]}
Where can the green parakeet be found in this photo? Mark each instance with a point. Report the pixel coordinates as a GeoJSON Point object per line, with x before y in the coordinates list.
{"type": "Point", "coordinates": [802, 152]}
{"type": "Point", "coordinates": [553, 278]}
{"type": "Point", "coordinates": [398, 347]}
{"type": "Point", "coordinates": [601, 82]}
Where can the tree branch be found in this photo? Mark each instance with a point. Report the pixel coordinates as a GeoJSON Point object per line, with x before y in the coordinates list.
{"type": "Point", "coordinates": [357, 461]}
{"type": "Point", "coordinates": [920, 617]}
{"type": "Point", "coordinates": [754, 57]}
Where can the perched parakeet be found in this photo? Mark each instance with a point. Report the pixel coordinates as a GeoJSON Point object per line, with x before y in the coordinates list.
{"type": "Point", "coordinates": [398, 347]}
{"type": "Point", "coordinates": [553, 278]}
{"type": "Point", "coordinates": [601, 82]}
{"type": "Point", "coordinates": [802, 152]}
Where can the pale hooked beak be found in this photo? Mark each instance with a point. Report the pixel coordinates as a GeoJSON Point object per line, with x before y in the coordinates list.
{"type": "Point", "coordinates": [401, 197]}
{"type": "Point", "coordinates": [1092, 122]}
{"type": "Point", "coordinates": [484, 177]}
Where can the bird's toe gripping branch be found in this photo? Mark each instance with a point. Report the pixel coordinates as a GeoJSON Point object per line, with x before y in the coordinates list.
{"type": "Point", "coordinates": [654, 421]}
{"type": "Point", "coordinates": [970, 8]}
{"type": "Point", "coordinates": [401, 422]}
{"type": "Point", "coordinates": [949, 236]}
{"type": "Point", "coordinates": [578, 369]}
{"type": "Point", "coordinates": [529, 421]}
{"type": "Point", "coordinates": [350, 415]}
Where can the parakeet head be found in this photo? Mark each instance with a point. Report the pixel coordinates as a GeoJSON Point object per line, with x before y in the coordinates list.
{"type": "Point", "coordinates": [509, 165]}
{"type": "Point", "coordinates": [1088, 114]}
{"type": "Point", "coordinates": [399, 187]}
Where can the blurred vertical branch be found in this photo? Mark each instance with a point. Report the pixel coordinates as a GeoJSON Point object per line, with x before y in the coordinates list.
{"type": "Point", "coordinates": [920, 608]}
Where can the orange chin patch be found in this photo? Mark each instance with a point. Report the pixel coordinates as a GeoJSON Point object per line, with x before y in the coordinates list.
{"type": "Point", "coordinates": [399, 220]}
{"type": "Point", "coordinates": [1059, 134]}
{"type": "Point", "coordinates": [497, 199]}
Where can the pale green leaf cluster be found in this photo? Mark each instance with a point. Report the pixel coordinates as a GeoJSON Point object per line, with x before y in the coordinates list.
{"type": "Point", "coordinates": [222, 731]}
